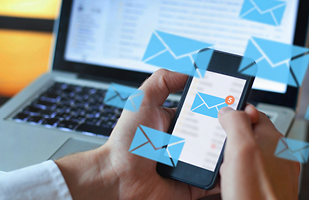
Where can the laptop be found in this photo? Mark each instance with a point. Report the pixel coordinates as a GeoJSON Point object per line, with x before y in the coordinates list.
{"type": "Point", "coordinates": [102, 42]}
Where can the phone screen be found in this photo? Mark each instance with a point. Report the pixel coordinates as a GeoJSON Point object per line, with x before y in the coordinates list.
{"type": "Point", "coordinates": [198, 120]}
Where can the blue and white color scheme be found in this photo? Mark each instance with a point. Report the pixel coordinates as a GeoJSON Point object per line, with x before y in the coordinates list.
{"type": "Point", "coordinates": [294, 150]}
{"type": "Point", "coordinates": [177, 53]}
{"type": "Point", "coordinates": [263, 11]}
{"type": "Point", "coordinates": [156, 145]}
{"type": "Point", "coordinates": [277, 61]}
{"type": "Point", "coordinates": [208, 105]}
{"type": "Point", "coordinates": [124, 97]}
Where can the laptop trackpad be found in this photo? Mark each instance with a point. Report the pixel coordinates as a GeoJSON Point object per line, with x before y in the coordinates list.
{"type": "Point", "coordinates": [74, 146]}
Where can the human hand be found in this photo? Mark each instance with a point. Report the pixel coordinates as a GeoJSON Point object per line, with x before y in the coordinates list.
{"type": "Point", "coordinates": [137, 175]}
{"type": "Point", "coordinates": [112, 172]}
{"type": "Point", "coordinates": [249, 169]}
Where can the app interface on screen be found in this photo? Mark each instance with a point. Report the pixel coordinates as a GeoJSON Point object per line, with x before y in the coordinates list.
{"type": "Point", "coordinates": [115, 33]}
{"type": "Point", "coordinates": [198, 121]}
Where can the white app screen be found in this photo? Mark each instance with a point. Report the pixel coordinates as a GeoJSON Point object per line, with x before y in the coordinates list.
{"type": "Point", "coordinates": [198, 123]}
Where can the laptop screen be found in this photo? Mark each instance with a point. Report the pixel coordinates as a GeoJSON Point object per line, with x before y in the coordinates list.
{"type": "Point", "coordinates": [115, 33]}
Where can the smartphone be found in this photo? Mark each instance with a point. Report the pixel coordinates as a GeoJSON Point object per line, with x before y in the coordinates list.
{"type": "Point", "coordinates": [196, 120]}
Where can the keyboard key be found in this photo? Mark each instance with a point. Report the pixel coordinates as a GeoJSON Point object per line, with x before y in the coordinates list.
{"type": "Point", "coordinates": [21, 116]}
{"type": "Point", "coordinates": [44, 103]}
{"type": "Point", "coordinates": [32, 110]}
{"type": "Point", "coordinates": [166, 104]}
{"type": "Point", "coordinates": [34, 119]}
{"type": "Point", "coordinates": [50, 121]}
{"type": "Point", "coordinates": [67, 106]}
{"type": "Point", "coordinates": [48, 113]}
{"type": "Point", "coordinates": [67, 124]}
{"type": "Point", "coordinates": [63, 116]}
{"type": "Point", "coordinates": [51, 95]}
{"type": "Point", "coordinates": [174, 104]}
{"type": "Point", "coordinates": [66, 103]}
{"type": "Point", "coordinates": [77, 119]}
{"type": "Point", "coordinates": [92, 121]}
{"type": "Point", "coordinates": [94, 129]}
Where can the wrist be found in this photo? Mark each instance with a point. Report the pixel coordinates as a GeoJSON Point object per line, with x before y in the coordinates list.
{"type": "Point", "coordinates": [89, 175]}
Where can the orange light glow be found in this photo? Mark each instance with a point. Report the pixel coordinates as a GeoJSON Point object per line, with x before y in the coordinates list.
{"type": "Point", "coordinates": [23, 57]}
{"type": "Point", "coordinates": [47, 9]}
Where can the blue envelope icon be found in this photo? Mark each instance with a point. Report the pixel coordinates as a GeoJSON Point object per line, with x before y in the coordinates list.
{"type": "Point", "coordinates": [177, 53]}
{"type": "Point", "coordinates": [208, 105]}
{"type": "Point", "coordinates": [124, 97]}
{"type": "Point", "coordinates": [292, 150]}
{"type": "Point", "coordinates": [307, 114]}
{"type": "Point", "coordinates": [156, 145]}
{"type": "Point", "coordinates": [277, 61]}
{"type": "Point", "coordinates": [264, 11]}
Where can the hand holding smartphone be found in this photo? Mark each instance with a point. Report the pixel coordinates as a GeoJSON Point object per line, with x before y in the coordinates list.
{"type": "Point", "coordinates": [196, 119]}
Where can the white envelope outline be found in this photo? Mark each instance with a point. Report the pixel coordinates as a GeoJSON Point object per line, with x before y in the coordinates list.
{"type": "Point", "coordinates": [266, 11]}
{"type": "Point", "coordinates": [264, 56]}
{"type": "Point", "coordinates": [167, 48]}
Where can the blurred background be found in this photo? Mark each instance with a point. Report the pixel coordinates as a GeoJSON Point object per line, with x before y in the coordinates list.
{"type": "Point", "coordinates": [25, 40]}
{"type": "Point", "coordinates": [26, 37]}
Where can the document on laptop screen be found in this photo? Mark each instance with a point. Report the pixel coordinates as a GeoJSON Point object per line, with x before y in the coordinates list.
{"type": "Point", "coordinates": [115, 33]}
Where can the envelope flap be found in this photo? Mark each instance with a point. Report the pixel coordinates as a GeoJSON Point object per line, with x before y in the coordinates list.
{"type": "Point", "coordinates": [157, 138]}
{"type": "Point", "coordinates": [137, 94]}
{"type": "Point", "coordinates": [281, 146]}
{"type": "Point", "coordinates": [276, 51]}
{"type": "Point", "coordinates": [156, 47]}
{"type": "Point", "coordinates": [296, 145]}
{"type": "Point", "coordinates": [123, 91]}
{"type": "Point", "coordinates": [211, 100]}
{"type": "Point", "coordinates": [174, 139]}
{"type": "Point", "coordinates": [267, 5]}
{"type": "Point", "coordinates": [138, 139]}
{"type": "Point", "coordinates": [181, 45]}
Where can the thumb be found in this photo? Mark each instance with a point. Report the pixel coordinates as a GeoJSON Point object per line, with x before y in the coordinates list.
{"type": "Point", "coordinates": [237, 125]}
{"type": "Point", "coordinates": [160, 84]}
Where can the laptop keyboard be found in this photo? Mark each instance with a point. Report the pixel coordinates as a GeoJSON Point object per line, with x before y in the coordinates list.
{"type": "Point", "coordinates": [74, 108]}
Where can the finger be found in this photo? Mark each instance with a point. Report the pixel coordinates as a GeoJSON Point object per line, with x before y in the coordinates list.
{"type": "Point", "coordinates": [160, 84]}
{"type": "Point", "coordinates": [252, 112]}
{"type": "Point", "coordinates": [237, 126]}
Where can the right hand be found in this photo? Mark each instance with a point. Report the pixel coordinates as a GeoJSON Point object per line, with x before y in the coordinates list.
{"type": "Point", "coordinates": [249, 169]}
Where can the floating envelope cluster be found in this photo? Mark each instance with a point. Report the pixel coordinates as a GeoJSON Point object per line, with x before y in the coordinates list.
{"type": "Point", "coordinates": [124, 97]}
{"type": "Point", "coordinates": [208, 105]}
{"type": "Point", "coordinates": [292, 150]}
{"type": "Point", "coordinates": [178, 54]}
{"type": "Point", "coordinates": [263, 11]}
{"type": "Point", "coordinates": [277, 61]}
{"type": "Point", "coordinates": [156, 145]}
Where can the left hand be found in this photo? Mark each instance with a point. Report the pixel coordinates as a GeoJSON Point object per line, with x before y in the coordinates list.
{"type": "Point", "coordinates": [138, 176]}
{"type": "Point", "coordinates": [112, 172]}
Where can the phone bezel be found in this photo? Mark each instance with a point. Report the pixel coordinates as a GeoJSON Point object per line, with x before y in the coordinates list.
{"type": "Point", "coordinates": [191, 174]}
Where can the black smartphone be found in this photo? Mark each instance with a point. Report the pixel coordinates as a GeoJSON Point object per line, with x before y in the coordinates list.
{"type": "Point", "coordinates": [196, 119]}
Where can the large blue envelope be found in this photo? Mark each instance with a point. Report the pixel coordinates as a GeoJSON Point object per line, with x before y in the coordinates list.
{"type": "Point", "coordinates": [177, 53]}
{"type": "Point", "coordinates": [264, 11]}
{"type": "Point", "coordinates": [207, 105]}
{"type": "Point", "coordinates": [124, 97]}
{"type": "Point", "coordinates": [157, 145]}
{"type": "Point", "coordinates": [292, 150]}
{"type": "Point", "coordinates": [277, 61]}
{"type": "Point", "coordinates": [307, 114]}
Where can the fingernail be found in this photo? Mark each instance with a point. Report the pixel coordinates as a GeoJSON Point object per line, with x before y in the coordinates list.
{"type": "Point", "coordinates": [225, 110]}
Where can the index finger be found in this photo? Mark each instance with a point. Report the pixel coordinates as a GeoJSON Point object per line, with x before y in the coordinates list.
{"type": "Point", "coordinates": [237, 125]}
